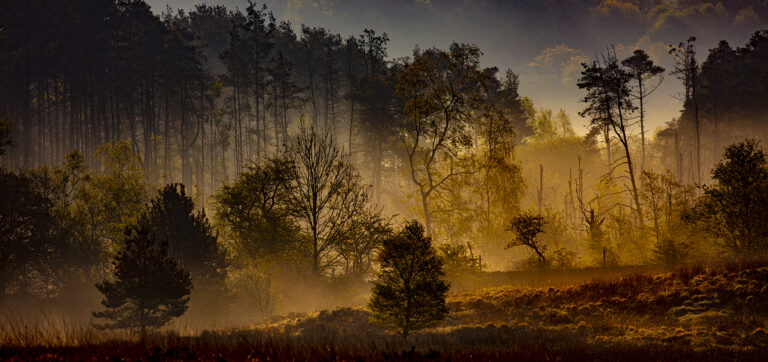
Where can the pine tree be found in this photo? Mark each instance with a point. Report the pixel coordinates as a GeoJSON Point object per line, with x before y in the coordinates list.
{"type": "Point", "coordinates": [148, 287]}
{"type": "Point", "coordinates": [409, 294]}
{"type": "Point", "coordinates": [191, 238]}
{"type": "Point", "coordinates": [193, 244]}
{"type": "Point", "coordinates": [609, 104]}
{"type": "Point", "coordinates": [642, 70]}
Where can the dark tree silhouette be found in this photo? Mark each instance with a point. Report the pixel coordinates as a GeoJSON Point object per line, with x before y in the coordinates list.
{"type": "Point", "coordinates": [148, 288]}
{"type": "Point", "coordinates": [325, 194]}
{"type": "Point", "coordinates": [5, 136]}
{"type": "Point", "coordinates": [409, 294]}
{"type": "Point", "coordinates": [687, 71]}
{"type": "Point", "coordinates": [642, 70]}
{"type": "Point", "coordinates": [735, 209]}
{"type": "Point", "coordinates": [191, 238]}
{"type": "Point", "coordinates": [609, 104]}
{"type": "Point", "coordinates": [194, 244]}
{"type": "Point", "coordinates": [26, 221]}
{"type": "Point", "coordinates": [526, 228]}
{"type": "Point", "coordinates": [254, 211]}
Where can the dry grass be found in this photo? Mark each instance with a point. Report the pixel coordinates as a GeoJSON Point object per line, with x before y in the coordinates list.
{"type": "Point", "coordinates": [694, 313]}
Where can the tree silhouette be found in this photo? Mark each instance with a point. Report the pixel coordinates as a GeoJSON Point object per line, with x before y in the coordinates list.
{"type": "Point", "coordinates": [687, 71]}
{"type": "Point", "coordinates": [642, 69]}
{"type": "Point", "coordinates": [440, 91]}
{"type": "Point", "coordinates": [5, 136]}
{"type": "Point", "coordinates": [25, 224]}
{"type": "Point", "coordinates": [194, 244]}
{"type": "Point", "coordinates": [409, 294]}
{"type": "Point", "coordinates": [325, 193]}
{"type": "Point", "coordinates": [191, 238]}
{"type": "Point", "coordinates": [526, 228]}
{"type": "Point", "coordinates": [609, 104]}
{"type": "Point", "coordinates": [148, 288]}
{"type": "Point", "coordinates": [254, 213]}
{"type": "Point", "coordinates": [735, 209]}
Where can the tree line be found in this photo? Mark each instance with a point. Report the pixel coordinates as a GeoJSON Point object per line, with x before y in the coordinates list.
{"type": "Point", "coordinates": [629, 198]}
{"type": "Point", "coordinates": [300, 145]}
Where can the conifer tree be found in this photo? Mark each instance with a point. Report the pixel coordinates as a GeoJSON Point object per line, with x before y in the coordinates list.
{"type": "Point", "coordinates": [409, 294]}
{"type": "Point", "coordinates": [193, 244]}
{"type": "Point", "coordinates": [191, 238]}
{"type": "Point", "coordinates": [148, 288]}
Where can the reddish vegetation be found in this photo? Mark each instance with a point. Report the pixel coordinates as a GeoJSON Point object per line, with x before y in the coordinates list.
{"type": "Point", "coordinates": [694, 313]}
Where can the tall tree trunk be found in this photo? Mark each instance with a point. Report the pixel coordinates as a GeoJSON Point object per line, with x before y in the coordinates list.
{"type": "Point", "coordinates": [427, 213]}
{"type": "Point", "coordinates": [642, 121]}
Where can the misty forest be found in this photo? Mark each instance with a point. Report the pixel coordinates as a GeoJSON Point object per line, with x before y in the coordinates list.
{"type": "Point", "coordinates": [236, 182]}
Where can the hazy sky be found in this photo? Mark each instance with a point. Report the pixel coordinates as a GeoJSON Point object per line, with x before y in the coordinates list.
{"type": "Point", "coordinates": [542, 40]}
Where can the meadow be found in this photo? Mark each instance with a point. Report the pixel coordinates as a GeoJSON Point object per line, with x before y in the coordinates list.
{"type": "Point", "coordinates": [696, 312]}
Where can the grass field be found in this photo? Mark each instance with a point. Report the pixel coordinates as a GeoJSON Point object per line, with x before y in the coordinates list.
{"type": "Point", "coordinates": [718, 312]}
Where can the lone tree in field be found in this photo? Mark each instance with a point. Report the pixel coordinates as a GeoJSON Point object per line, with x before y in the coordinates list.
{"type": "Point", "coordinates": [527, 227]}
{"type": "Point", "coordinates": [409, 294]}
{"type": "Point", "coordinates": [148, 287]}
{"type": "Point", "coordinates": [736, 208]}
{"type": "Point", "coordinates": [193, 243]}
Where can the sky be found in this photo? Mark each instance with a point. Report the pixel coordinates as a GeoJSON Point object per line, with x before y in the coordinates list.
{"type": "Point", "coordinates": [544, 41]}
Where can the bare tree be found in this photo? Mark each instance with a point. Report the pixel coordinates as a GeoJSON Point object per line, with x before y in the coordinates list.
{"type": "Point", "coordinates": [325, 192]}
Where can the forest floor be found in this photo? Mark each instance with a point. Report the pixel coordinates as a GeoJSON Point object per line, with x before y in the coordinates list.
{"type": "Point", "coordinates": [702, 313]}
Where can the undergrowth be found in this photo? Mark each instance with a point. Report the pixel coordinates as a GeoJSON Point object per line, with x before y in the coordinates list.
{"type": "Point", "coordinates": [697, 312]}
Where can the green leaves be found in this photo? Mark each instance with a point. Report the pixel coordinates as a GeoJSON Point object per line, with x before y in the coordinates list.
{"type": "Point", "coordinates": [148, 287]}
{"type": "Point", "coordinates": [527, 227]}
{"type": "Point", "coordinates": [409, 294]}
{"type": "Point", "coordinates": [735, 209]}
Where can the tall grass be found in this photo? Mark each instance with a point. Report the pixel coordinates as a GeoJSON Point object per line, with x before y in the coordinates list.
{"type": "Point", "coordinates": [697, 312]}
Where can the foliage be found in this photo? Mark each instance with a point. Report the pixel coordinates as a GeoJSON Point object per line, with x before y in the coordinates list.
{"type": "Point", "coordinates": [667, 202]}
{"type": "Point", "coordinates": [596, 238]}
{"type": "Point", "coordinates": [549, 128]}
{"type": "Point", "coordinates": [527, 228]}
{"type": "Point", "coordinates": [26, 230]}
{"type": "Point", "coordinates": [458, 259]}
{"type": "Point", "coordinates": [148, 288]}
{"type": "Point", "coordinates": [494, 190]}
{"type": "Point", "coordinates": [114, 199]}
{"type": "Point", "coordinates": [736, 207]}
{"type": "Point", "coordinates": [441, 91]}
{"type": "Point", "coordinates": [364, 238]}
{"type": "Point", "coordinates": [191, 239]}
{"type": "Point", "coordinates": [254, 214]}
{"type": "Point", "coordinates": [670, 252]}
{"type": "Point", "coordinates": [194, 245]}
{"type": "Point", "coordinates": [558, 239]}
{"type": "Point", "coordinates": [79, 256]}
{"type": "Point", "coordinates": [409, 293]}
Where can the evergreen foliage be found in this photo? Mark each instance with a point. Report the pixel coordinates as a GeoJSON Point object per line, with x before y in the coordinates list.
{"type": "Point", "coordinates": [148, 287]}
{"type": "Point", "coordinates": [409, 294]}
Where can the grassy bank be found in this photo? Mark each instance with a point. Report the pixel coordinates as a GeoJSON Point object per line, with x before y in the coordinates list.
{"type": "Point", "coordinates": [698, 313]}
